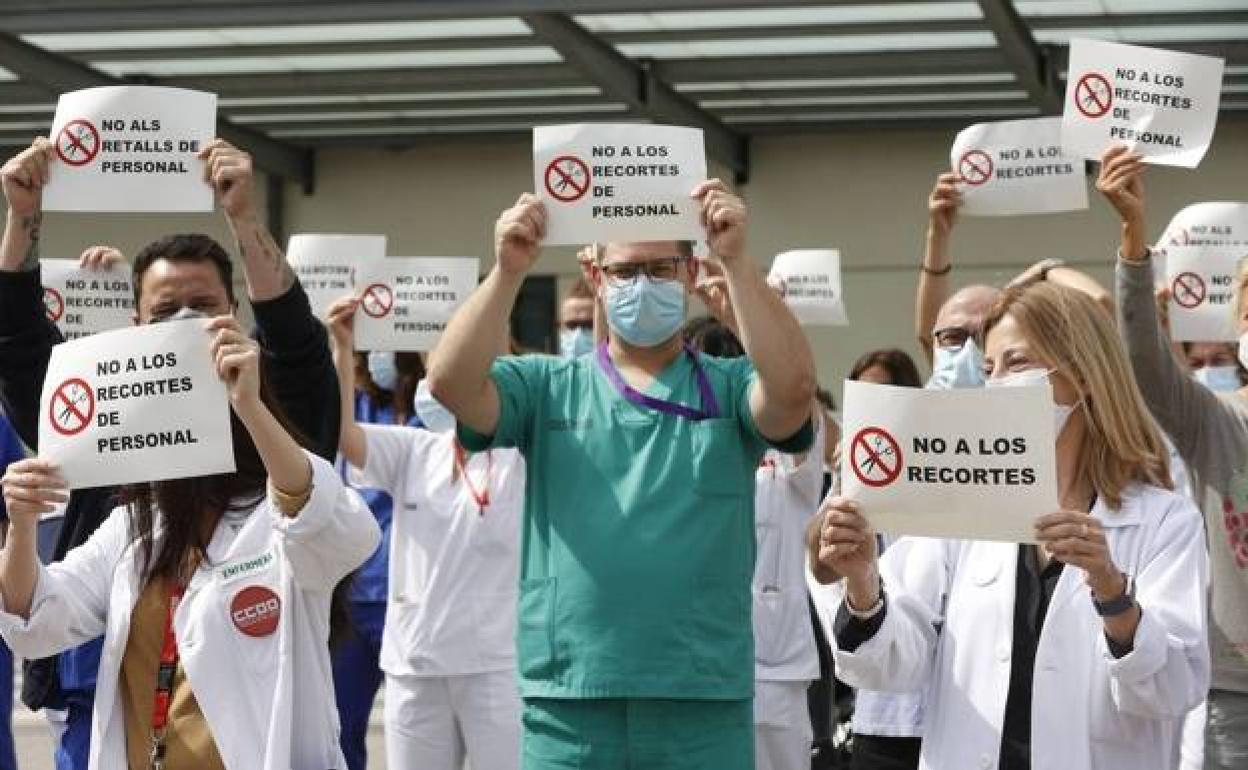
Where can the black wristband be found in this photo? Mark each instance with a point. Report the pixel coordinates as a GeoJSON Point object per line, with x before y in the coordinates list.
{"type": "Point", "coordinates": [943, 271]}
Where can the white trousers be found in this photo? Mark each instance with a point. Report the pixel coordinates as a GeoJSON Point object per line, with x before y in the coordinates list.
{"type": "Point", "coordinates": [433, 722]}
{"type": "Point", "coordinates": [782, 732]}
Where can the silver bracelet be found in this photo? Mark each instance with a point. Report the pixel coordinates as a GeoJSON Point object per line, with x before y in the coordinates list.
{"type": "Point", "coordinates": [871, 611]}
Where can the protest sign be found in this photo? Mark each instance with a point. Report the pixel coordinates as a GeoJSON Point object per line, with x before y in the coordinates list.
{"type": "Point", "coordinates": [131, 148]}
{"type": "Point", "coordinates": [81, 301]}
{"type": "Point", "coordinates": [135, 405]}
{"type": "Point", "coordinates": [1215, 226]}
{"type": "Point", "coordinates": [326, 264]}
{"type": "Point", "coordinates": [1017, 167]}
{"type": "Point", "coordinates": [1202, 293]}
{"type": "Point", "coordinates": [975, 464]}
{"type": "Point", "coordinates": [1162, 104]}
{"type": "Point", "coordinates": [405, 302]}
{"type": "Point", "coordinates": [619, 182]}
{"type": "Point", "coordinates": [809, 280]}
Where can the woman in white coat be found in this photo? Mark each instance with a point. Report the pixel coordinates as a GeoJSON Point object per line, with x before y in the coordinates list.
{"type": "Point", "coordinates": [212, 593]}
{"type": "Point", "coordinates": [448, 647]}
{"type": "Point", "coordinates": [1083, 653]}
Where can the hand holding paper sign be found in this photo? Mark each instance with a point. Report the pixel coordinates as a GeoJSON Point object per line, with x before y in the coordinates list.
{"type": "Point", "coordinates": [24, 176]}
{"type": "Point", "coordinates": [33, 487]}
{"type": "Point", "coordinates": [237, 359]}
{"type": "Point", "coordinates": [341, 322]}
{"type": "Point", "coordinates": [229, 170]}
{"type": "Point", "coordinates": [847, 547]}
{"type": "Point", "coordinates": [1121, 181]}
{"type": "Point", "coordinates": [1078, 539]}
{"type": "Point", "coordinates": [724, 217]}
{"type": "Point", "coordinates": [518, 235]}
{"type": "Point", "coordinates": [101, 258]}
{"type": "Point", "coordinates": [943, 204]}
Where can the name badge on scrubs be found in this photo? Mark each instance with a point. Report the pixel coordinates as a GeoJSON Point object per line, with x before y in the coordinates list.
{"type": "Point", "coordinates": [256, 610]}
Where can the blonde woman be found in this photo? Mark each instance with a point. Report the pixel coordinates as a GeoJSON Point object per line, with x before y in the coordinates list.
{"type": "Point", "coordinates": [1083, 652]}
{"type": "Point", "coordinates": [1211, 432]}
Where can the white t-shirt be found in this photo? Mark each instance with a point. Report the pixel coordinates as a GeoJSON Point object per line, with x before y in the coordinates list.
{"type": "Point", "coordinates": [454, 564]}
{"type": "Point", "coordinates": [786, 496]}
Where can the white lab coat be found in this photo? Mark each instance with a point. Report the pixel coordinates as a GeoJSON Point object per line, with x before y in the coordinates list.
{"type": "Point", "coordinates": [786, 497]}
{"type": "Point", "coordinates": [1089, 711]}
{"type": "Point", "coordinates": [268, 700]}
{"type": "Point", "coordinates": [454, 567]}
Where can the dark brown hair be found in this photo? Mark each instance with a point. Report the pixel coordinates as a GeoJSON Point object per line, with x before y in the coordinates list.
{"type": "Point", "coordinates": [899, 365]}
{"type": "Point", "coordinates": [184, 247]}
{"type": "Point", "coordinates": [191, 508]}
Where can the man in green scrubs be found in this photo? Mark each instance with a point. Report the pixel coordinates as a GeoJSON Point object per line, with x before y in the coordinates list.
{"type": "Point", "coordinates": [634, 640]}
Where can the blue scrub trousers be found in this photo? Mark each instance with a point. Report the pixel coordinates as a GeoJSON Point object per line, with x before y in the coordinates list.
{"type": "Point", "coordinates": [357, 677]}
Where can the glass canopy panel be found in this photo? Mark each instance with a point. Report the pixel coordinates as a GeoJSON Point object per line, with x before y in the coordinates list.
{"type": "Point", "coordinates": [780, 46]}
{"type": "Point", "coordinates": [319, 33]}
{"type": "Point", "coordinates": [778, 17]}
{"type": "Point", "coordinates": [333, 62]}
{"type": "Point", "coordinates": [482, 112]}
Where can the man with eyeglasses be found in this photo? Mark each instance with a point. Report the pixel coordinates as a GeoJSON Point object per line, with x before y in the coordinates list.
{"type": "Point", "coordinates": [634, 642]}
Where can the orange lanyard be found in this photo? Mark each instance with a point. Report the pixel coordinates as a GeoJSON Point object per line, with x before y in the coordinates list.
{"type": "Point", "coordinates": [164, 679]}
{"type": "Point", "coordinates": [480, 496]}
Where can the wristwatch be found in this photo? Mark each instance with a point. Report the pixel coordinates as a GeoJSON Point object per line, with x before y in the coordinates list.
{"type": "Point", "coordinates": [1120, 604]}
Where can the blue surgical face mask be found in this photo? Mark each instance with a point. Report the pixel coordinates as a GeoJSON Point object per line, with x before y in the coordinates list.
{"type": "Point", "coordinates": [382, 369]}
{"type": "Point", "coordinates": [432, 414]}
{"type": "Point", "coordinates": [958, 367]}
{"type": "Point", "coordinates": [1219, 379]}
{"type": "Point", "coordinates": [646, 313]}
{"type": "Point", "coordinates": [575, 342]}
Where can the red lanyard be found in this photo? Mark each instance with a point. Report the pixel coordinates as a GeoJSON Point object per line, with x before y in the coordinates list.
{"type": "Point", "coordinates": [480, 496]}
{"type": "Point", "coordinates": [164, 679]}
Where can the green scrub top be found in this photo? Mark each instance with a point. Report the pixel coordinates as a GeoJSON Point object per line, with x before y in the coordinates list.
{"type": "Point", "coordinates": [638, 539]}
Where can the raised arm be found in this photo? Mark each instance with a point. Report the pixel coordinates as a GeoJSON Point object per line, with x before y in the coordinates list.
{"type": "Point", "coordinates": [230, 172]}
{"type": "Point", "coordinates": [237, 360]}
{"type": "Point", "coordinates": [773, 339]}
{"type": "Point", "coordinates": [23, 178]}
{"type": "Point", "coordinates": [942, 214]}
{"type": "Point", "coordinates": [459, 367]}
{"type": "Point", "coordinates": [1211, 434]}
{"type": "Point", "coordinates": [341, 322]}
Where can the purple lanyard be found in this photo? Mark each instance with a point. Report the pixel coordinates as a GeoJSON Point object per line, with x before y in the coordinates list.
{"type": "Point", "coordinates": [710, 406]}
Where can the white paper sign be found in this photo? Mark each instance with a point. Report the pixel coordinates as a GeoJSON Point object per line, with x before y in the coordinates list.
{"type": "Point", "coordinates": [1162, 104]}
{"type": "Point", "coordinates": [134, 405]}
{"type": "Point", "coordinates": [325, 264]}
{"type": "Point", "coordinates": [1017, 167]}
{"type": "Point", "coordinates": [82, 302]}
{"type": "Point", "coordinates": [1202, 293]}
{"type": "Point", "coordinates": [605, 182]}
{"type": "Point", "coordinates": [1214, 225]}
{"type": "Point", "coordinates": [975, 464]}
{"type": "Point", "coordinates": [405, 302]}
{"type": "Point", "coordinates": [810, 282]}
{"type": "Point", "coordinates": [131, 148]}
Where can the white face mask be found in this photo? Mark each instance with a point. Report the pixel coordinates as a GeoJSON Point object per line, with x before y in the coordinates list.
{"type": "Point", "coordinates": [1219, 379]}
{"type": "Point", "coordinates": [432, 414]}
{"type": "Point", "coordinates": [957, 367]}
{"type": "Point", "coordinates": [1032, 378]}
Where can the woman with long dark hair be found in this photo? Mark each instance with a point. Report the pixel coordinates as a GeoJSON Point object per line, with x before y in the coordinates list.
{"type": "Point", "coordinates": [212, 593]}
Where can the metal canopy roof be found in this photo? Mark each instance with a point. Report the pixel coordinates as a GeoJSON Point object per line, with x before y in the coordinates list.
{"type": "Point", "coordinates": [296, 74]}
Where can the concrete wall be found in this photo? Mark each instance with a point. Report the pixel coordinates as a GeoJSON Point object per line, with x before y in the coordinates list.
{"type": "Point", "coordinates": [861, 192]}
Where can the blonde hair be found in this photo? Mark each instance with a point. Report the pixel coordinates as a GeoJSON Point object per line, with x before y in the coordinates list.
{"type": "Point", "coordinates": [1070, 332]}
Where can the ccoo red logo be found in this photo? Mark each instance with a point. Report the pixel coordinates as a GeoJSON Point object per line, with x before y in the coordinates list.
{"type": "Point", "coordinates": [256, 610]}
